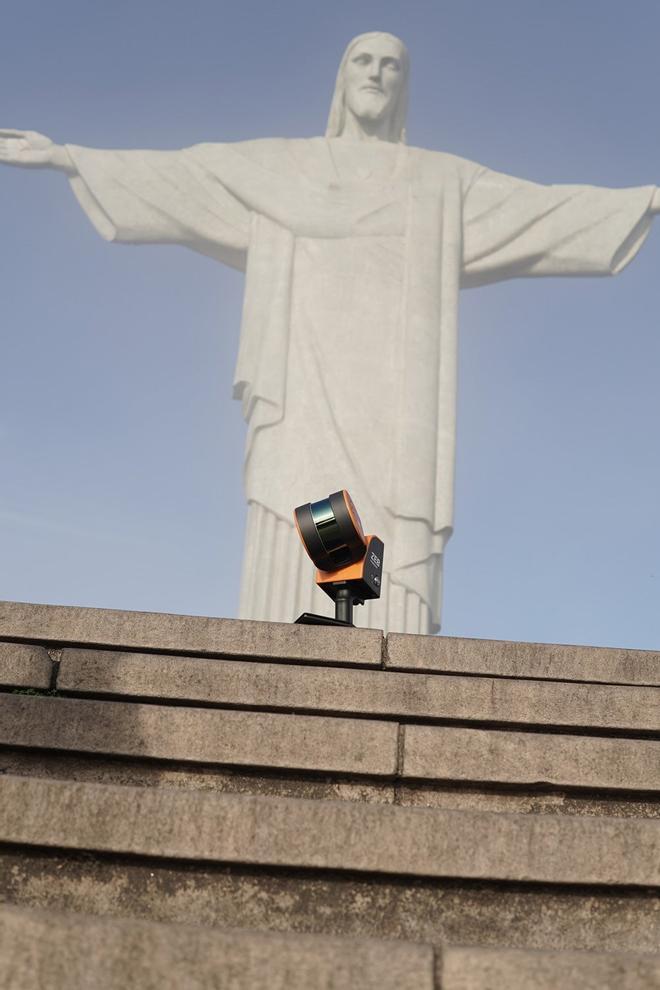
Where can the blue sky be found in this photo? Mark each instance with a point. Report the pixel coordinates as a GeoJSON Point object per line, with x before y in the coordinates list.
{"type": "Point", "coordinates": [120, 447]}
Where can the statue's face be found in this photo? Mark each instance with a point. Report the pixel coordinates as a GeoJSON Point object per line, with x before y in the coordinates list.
{"type": "Point", "coordinates": [373, 78]}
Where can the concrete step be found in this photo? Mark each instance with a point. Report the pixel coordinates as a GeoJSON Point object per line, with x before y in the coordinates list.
{"type": "Point", "coordinates": [201, 636]}
{"type": "Point", "coordinates": [529, 759]}
{"type": "Point", "coordinates": [25, 666]}
{"type": "Point", "coordinates": [322, 744]}
{"type": "Point", "coordinates": [202, 735]}
{"type": "Point", "coordinates": [74, 952]}
{"type": "Point", "coordinates": [338, 903]}
{"type": "Point", "coordinates": [40, 951]}
{"type": "Point", "coordinates": [227, 774]}
{"type": "Point", "coordinates": [57, 625]}
{"type": "Point", "coordinates": [446, 655]}
{"type": "Point", "coordinates": [329, 835]}
{"type": "Point", "coordinates": [598, 707]}
{"type": "Point", "coordinates": [467, 968]}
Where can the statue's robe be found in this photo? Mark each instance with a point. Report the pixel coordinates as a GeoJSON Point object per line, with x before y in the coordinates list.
{"type": "Point", "coordinates": [354, 252]}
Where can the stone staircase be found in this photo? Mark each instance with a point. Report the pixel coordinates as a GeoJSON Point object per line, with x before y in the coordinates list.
{"type": "Point", "coordinates": [208, 803]}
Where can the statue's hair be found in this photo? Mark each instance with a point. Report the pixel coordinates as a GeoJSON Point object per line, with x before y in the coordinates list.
{"type": "Point", "coordinates": [337, 118]}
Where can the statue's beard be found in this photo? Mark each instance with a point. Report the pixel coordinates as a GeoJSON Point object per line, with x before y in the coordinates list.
{"type": "Point", "coordinates": [371, 107]}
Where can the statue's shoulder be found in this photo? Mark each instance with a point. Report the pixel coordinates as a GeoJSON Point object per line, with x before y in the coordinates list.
{"type": "Point", "coordinates": [434, 166]}
{"type": "Point", "coordinates": [276, 154]}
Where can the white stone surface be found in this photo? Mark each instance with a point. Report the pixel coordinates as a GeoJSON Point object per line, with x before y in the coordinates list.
{"type": "Point", "coordinates": [355, 247]}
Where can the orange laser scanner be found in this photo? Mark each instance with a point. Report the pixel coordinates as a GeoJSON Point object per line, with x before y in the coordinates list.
{"type": "Point", "coordinates": [350, 564]}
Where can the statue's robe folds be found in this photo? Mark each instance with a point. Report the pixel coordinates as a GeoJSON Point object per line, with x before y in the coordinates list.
{"type": "Point", "coordinates": [354, 253]}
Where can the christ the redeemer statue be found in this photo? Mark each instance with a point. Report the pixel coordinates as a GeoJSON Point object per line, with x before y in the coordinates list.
{"type": "Point", "coordinates": [355, 247]}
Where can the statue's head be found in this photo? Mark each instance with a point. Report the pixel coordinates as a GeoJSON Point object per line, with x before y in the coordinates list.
{"type": "Point", "coordinates": [372, 86]}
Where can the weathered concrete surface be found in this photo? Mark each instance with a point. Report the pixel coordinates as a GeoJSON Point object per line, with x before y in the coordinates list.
{"type": "Point", "coordinates": [322, 787]}
{"type": "Point", "coordinates": [201, 735]}
{"type": "Point", "coordinates": [468, 968]}
{"type": "Point", "coordinates": [445, 654]}
{"type": "Point", "coordinates": [439, 753]}
{"type": "Point", "coordinates": [24, 665]}
{"type": "Point", "coordinates": [437, 911]}
{"type": "Point", "coordinates": [222, 780]}
{"type": "Point", "coordinates": [74, 952]}
{"type": "Point", "coordinates": [60, 624]}
{"type": "Point", "coordinates": [367, 692]}
{"type": "Point", "coordinates": [262, 819]}
{"type": "Point", "coordinates": [286, 832]}
{"type": "Point", "coordinates": [322, 744]}
{"type": "Point", "coordinates": [526, 801]}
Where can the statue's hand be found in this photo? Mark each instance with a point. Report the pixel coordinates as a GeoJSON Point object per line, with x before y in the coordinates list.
{"type": "Point", "coordinates": [26, 148]}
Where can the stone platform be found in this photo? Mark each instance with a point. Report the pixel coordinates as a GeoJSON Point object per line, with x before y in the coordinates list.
{"type": "Point", "coordinates": [214, 803]}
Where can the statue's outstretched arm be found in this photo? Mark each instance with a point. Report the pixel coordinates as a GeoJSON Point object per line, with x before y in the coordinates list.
{"type": "Point", "coordinates": [29, 149]}
{"type": "Point", "coordinates": [514, 228]}
{"type": "Point", "coordinates": [145, 197]}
